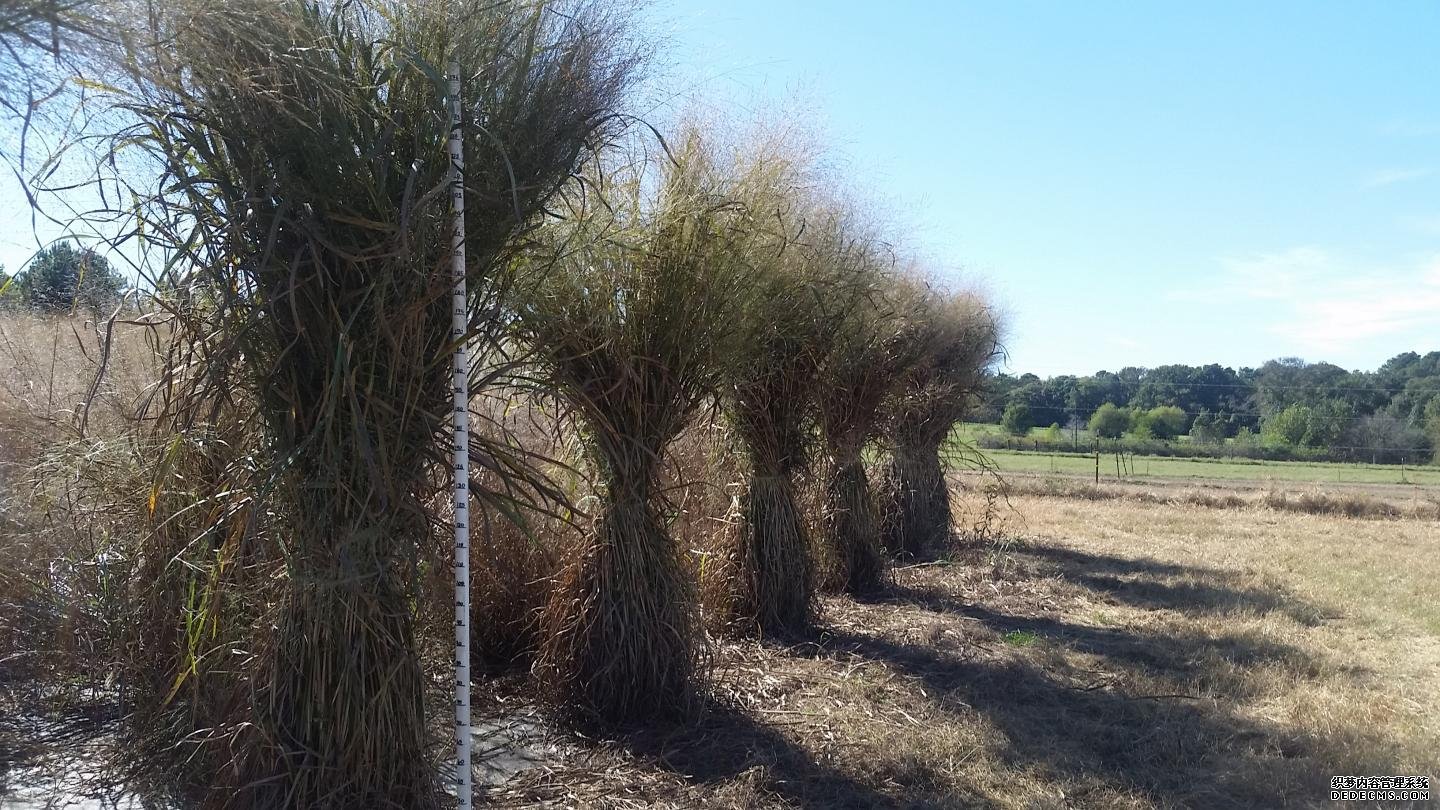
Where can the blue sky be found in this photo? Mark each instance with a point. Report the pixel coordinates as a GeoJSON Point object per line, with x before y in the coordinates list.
{"type": "Point", "coordinates": [1136, 183]}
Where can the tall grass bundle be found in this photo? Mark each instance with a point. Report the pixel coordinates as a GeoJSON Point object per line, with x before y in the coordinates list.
{"type": "Point", "coordinates": [203, 581]}
{"type": "Point", "coordinates": [302, 208]}
{"type": "Point", "coordinates": [866, 357]}
{"type": "Point", "coordinates": [956, 337]}
{"type": "Point", "coordinates": [637, 325]}
{"type": "Point", "coordinates": [803, 295]}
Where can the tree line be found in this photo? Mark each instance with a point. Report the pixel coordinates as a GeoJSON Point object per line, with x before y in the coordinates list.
{"type": "Point", "coordinates": [1286, 406]}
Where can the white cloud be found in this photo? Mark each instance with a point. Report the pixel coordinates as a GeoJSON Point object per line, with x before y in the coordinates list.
{"type": "Point", "coordinates": [1266, 276]}
{"type": "Point", "coordinates": [1333, 323]}
{"type": "Point", "coordinates": [1323, 302]}
{"type": "Point", "coordinates": [1389, 177]}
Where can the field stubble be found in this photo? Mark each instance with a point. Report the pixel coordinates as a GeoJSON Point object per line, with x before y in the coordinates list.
{"type": "Point", "coordinates": [1112, 653]}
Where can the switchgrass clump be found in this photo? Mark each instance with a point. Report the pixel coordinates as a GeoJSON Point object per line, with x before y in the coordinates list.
{"type": "Point", "coordinates": [954, 338]}
{"type": "Point", "coordinates": [802, 296]}
{"type": "Point", "coordinates": [302, 217]}
{"type": "Point", "coordinates": [635, 319]}
{"type": "Point", "coordinates": [858, 373]}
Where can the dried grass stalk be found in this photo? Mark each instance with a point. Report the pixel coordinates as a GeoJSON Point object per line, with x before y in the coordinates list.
{"type": "Point", "coordinates": [302, 212]}
{"type": "Point", "coordinates": [955, 338]}
{"type": "Point", "coordinates": [793, 325]}
{"type": "Point", "coordinates": [637, 325]}
{"type": "Point", "coordinates": [862, 366]}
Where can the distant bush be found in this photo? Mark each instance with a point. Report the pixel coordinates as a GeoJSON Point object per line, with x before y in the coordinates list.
{"type": "Point", "coordinates": [1207, 429]}
{"type": "Point", "coordinates": [1385, 439]}
{"type": "Point", "coordinates": [1164, 421]}
{"type": "Point", "coordinates": [1239, 448]}
{"type": "Point", "coordinates": [1287, 426]}
{"type": "Point", "coordinates": [1109, 421]}
{"type": "Point", "coordinates": [1017, 419]}
{"type": "Point", "coordinates": [1322, 424]}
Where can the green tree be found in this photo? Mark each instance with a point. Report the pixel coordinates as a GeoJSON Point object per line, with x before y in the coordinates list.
{"type": "Point", "coordinates": [1165, 421]}
{"type": "Point", "coordinates": [1109, 422]}
{"type": "Point", "coordinates": [1430, 421]}
{"type": "Point", "coordinates": [1329, 420]}
{"type": "Point", "coordinates": [1207, 428]}
{"type": "Point", "coordinates": [62, 277]}
{"type": "Point", "coordinates": [1288, 426]}
{"type": "Point", "coordinates": [1141, 427]}
{"type": "Point", "coordinates": [1017, 419]}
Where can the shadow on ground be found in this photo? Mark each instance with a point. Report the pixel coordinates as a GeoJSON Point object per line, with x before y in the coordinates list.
{"type": "Point", "coordinates": [1159, 716]}
{"type": "Point", "coordinates": [1136, 582]}
{"type": "Point", "coordinates": [1210, 660]}
{"type": "Point", "coordinates": [721, 758]}
{"type": "Point", "coordinates": [1170, 748]}
{"type": "Point", "coordinates": [1150, 715]}
{"type": "Point", "coordinates": [726, 743]}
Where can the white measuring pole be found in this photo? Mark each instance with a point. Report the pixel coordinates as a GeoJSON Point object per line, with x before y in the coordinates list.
{"type": "Point", "coordinates": [459, 325]}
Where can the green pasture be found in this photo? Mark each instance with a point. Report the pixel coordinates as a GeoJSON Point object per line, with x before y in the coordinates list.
{"type": "Point", "coordinates": [1137, 466]}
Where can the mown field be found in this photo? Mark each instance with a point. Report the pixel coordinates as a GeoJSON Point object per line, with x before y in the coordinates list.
{"type": "Point", "coordinates": [1139, 467]}
{"type": "Point", "coordinates": [1133, 466]}
{"type": "Point", "coordinates": [1104, 653]}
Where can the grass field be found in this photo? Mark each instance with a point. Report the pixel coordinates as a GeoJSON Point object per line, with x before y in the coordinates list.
{"type": "Point", "coordinates": [1110, 654]}
{"type": "Point", "coordinates": [1140, 467]}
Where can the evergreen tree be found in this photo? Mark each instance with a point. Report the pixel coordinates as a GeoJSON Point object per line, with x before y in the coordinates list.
{"type": "Point", "coordinates": [62, 277]}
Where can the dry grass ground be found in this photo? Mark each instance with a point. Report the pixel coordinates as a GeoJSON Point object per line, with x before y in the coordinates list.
{"type": "Point", "coordinates": [1352, 500]}
{"type": "Point", "coordinates": [1117, 654]}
